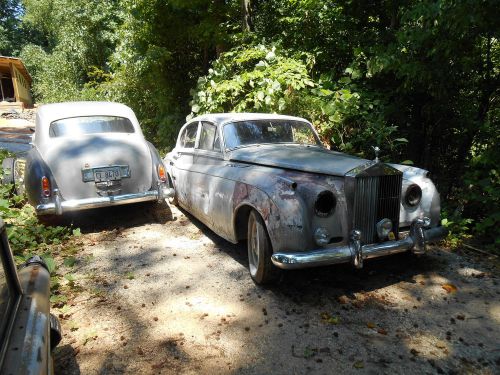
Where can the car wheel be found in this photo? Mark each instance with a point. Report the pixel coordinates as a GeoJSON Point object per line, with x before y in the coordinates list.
{"type": "Point", "coordinates": [260, 250]}
{"type": "Point", "coordinates": [173, 199]}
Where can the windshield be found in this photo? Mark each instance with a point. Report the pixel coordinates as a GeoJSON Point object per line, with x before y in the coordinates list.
{"type": "Point", "coordinates": [244, 133]}
{"type": "Point", "coordinates": [90, 125]}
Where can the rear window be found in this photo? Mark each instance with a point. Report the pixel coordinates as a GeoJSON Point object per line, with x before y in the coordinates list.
{"type": "Point", "coordinates": [90, 125]}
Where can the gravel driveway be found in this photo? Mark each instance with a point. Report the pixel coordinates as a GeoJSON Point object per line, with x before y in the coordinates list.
{"type": "Point", "coordinates": [174, 298]}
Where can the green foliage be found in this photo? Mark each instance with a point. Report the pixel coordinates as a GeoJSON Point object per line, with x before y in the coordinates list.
{"type": "Point", "coordinates": [481, 195]}
{"type": "Point", "coordinates": [458, 228]}
{"type": "Point", "coordinates": [10, 27]}
{"type": "Point", "coordinates": [269, 79]}
{"type": "Point", "coordinates": [26, 235]}
{"type": "Point", "coordinates": [77, 38]}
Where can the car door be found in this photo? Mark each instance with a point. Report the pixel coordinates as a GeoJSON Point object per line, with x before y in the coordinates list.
{"type": "Point", "coordinates": [206, 164]}
{"type": "Point", "coordinates": [182, 163]}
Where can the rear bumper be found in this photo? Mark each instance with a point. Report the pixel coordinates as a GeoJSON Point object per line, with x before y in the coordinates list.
{"type": "Point", "coordinates": [356, 252]}
{"type": "Point", "coordinates": [58, 206]}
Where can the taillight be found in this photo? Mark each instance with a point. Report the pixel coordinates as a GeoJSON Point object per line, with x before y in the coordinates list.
{"type": "Point", "coordinates": [162, 175]}
{"type": "Point", "coordinates": [45, 187]}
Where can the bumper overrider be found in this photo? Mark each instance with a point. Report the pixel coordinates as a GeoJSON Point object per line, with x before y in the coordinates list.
{"type": "Point", "coordinates": [420, 234]}
{"type": "Point", "coordinates": [59, 206]}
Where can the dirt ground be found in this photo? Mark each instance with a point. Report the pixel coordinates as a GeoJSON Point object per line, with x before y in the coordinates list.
{"type": "Point", "coordinates": [174, 298]}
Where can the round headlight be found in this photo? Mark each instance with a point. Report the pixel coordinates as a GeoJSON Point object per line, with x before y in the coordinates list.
{"type": "Point", "coordinates": [384, 227]}
{"type": "Point", "coordinates": [321, 236]}
{"type": "Point", "coordinates": [325, 203]}
{"type": "Point", "coordinates": [413, 195]}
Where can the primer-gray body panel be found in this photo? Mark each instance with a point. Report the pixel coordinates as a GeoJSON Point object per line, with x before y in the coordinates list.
{"type": "Point", "coordinates": [62, 159]}
{"type": "Point", "coordinates": [281, 182]}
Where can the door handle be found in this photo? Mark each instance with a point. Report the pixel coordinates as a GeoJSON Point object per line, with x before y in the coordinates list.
{"type": "Point", "coordinates": [171, 163]}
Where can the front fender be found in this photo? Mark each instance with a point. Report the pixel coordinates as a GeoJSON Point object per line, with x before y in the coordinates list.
{"type": "Point", "coordinates": [286, 207]}
{"type": "Point", "coordinates": [249, 196]}
{"type": "Point", "coordinates": [429, 206]}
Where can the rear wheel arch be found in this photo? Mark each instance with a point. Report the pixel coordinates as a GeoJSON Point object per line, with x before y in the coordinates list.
{"type": "Point", "coordinates": [241, 221]}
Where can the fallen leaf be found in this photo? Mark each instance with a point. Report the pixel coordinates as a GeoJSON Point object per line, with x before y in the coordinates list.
{"type": "Point", "coordinates": [382, 331]}
{"type": "Point", "coordinates": [327, 318]}
{"type": "Point", "coordinates": [358, 364]}
{"type": "Point", "coordinates": [343, 300]}
{"type": "Point", "coordinates": [450, 288]}
{"type": "Point", "coordinates": [441, 345]}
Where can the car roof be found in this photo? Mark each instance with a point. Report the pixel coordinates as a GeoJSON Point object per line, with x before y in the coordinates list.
{"type": "Point", "coordinates": [48, 113]}
{"type": "Point", "coordinates": [222, 118]}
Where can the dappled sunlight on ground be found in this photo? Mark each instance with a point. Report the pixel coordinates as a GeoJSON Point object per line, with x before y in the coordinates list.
{"type": "Point", "coordinates": [175, 298]}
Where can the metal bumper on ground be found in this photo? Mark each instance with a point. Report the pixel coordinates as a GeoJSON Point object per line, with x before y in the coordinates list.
{"type": "Point", "coordinates": [58, 206]}
{"type": "Point", "coordinates": [356, 252]}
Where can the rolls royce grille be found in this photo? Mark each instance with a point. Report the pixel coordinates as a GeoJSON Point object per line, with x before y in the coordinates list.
{"type": "Point", "coordinates": [376, 198]}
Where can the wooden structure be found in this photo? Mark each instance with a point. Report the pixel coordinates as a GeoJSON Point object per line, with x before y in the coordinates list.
{"type": "Point", "coordinates": [15, 84]}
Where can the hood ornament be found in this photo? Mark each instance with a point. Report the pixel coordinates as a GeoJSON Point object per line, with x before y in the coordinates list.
{"type": "Point", "coordinates": [377, 151]}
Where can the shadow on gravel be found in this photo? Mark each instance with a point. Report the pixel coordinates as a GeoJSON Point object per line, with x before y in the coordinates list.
{"type": "Point", "coordinates": [395, 314]}
{"type": "Point", "coordinates": [65, 358]}
{"type": "Point", "coordinates": [108, 218]}
{"type": "Point", "coordinates": [187, 305]}
{"type": "Point", "coordinates": [339, 279]}
{"type": "Point", "coordinates": [236, 251]}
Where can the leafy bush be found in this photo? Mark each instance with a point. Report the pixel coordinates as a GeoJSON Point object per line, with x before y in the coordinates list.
{"type": "Point", "coordinates": [269, 79]}
{"type": "Point", "coordinates": [26, 234]}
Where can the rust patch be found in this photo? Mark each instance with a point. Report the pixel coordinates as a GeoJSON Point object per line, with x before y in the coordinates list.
{"type": "Point", "coordinates": [240, 193]}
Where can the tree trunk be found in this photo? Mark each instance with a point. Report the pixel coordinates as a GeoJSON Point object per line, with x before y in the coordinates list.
{"type": "Point", "coordinates": [219, 14]}
{"type": "Point", "coordinates": [246, 15]}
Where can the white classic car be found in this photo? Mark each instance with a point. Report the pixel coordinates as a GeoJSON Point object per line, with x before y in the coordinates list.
{"type": "Point", "coordinates": [267, 179]}
{"type": "Point", "coordinates": [88, 155]}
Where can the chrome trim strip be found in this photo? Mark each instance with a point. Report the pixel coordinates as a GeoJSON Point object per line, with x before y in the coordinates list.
{"type": "Point", "coordinates": [355, 254]}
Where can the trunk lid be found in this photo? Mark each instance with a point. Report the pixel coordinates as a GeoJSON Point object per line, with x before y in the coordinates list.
{"type": "Point", "coordinates": [66, 157]}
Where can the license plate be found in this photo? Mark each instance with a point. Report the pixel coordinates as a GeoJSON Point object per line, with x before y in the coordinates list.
{"type": "Point", "coordinates": [107, 174]}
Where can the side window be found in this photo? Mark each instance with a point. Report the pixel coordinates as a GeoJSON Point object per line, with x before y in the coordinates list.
{"type": "Point", "coordinates": [207, 136]}
{"type": "Point", "coordinates": [217, 142]}
{"type": "Point", "coordinates": [188, 137]}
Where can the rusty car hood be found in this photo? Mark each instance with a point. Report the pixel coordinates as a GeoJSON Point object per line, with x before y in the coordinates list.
{"type": "Point", "coordinates": [297, 157]}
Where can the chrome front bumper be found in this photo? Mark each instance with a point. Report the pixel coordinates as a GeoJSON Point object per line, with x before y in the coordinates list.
{"type": "Point", "coordinates": [356, 252]}
{"type": "Point", "coordinates": [58, 206]}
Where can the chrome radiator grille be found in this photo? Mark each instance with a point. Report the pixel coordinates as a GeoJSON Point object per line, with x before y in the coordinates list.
{"type": "Point", "coordinates": [376, 197]}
